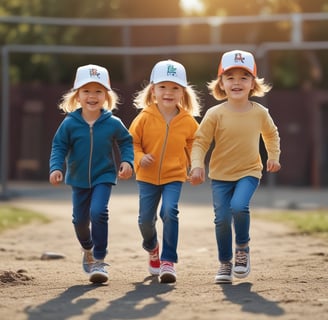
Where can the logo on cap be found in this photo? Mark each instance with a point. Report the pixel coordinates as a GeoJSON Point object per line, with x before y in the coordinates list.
{"type": "Point", "coordinates": [171, 70]}
{"type": "Point", "coordinates": [94, 73]}
{"type": "Point", "coordinates": [239, 58]}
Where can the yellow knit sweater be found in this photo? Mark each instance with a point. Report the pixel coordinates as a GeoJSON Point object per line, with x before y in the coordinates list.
{"type": "Point", "coordinates": [236, 139]}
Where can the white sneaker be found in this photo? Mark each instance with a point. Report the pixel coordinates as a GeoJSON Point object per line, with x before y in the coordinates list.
{"type": "Point", "coordinates": [242, 266]}
{"type": "Point", "coordinates": [167, 273]}
{"type": "Point", "coordinates": [224, 274]}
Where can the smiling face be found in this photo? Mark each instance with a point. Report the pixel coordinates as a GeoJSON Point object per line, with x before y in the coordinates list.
{"type": "Point", "coordinates": [167, 94]}
{"type": "Point", "coordinates": [237, 84]}
{"type": "Point", "coordinates": [92, 97]}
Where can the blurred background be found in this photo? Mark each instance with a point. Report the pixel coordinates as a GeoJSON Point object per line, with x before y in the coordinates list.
{"type": "Point", "coordinates": [44, 41]}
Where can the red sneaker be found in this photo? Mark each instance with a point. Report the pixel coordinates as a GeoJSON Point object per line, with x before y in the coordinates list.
{"type": "Point", "coordinates": [154, 263]}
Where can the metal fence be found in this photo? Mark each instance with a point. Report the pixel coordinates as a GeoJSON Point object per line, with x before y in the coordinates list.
{"type": "Point", "coordinates": [295, 42]}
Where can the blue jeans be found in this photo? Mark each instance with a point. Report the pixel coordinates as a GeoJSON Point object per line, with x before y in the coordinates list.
{"type": "Point", "coordinates": [231, 204]}
{"type": "Point", "coordinates": [90, 206]}
{"type": "Point", "coordinates": [149, 198]}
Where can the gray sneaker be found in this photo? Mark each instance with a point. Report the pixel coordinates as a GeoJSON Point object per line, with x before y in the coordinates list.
{"type": "Point", "coordinates": [98, 272]}
{"type": "Point", "coordinates": [87, 260]}
{"type": "Point", "coordinates": [242, 266]}
{"type": "Point", "coordinates": [224, 274]}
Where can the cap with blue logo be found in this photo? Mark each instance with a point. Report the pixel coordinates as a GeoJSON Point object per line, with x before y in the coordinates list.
{"type": "Point", "coordinates": [169, 70]}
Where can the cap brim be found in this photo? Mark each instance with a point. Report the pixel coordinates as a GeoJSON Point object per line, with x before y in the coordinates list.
{"type": "Point", "coordinates": [222, 71]}
{"type": "Point", "coordinates": [82, 83]}
{"type": "Point", "coordinates": [181, 83]}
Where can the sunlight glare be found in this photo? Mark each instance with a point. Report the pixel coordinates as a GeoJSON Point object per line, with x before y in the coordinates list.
{"type": "Point", "coordinates": [190, 6]}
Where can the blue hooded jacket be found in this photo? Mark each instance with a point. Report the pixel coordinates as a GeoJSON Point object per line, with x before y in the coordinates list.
{"type": "Point", "coordinates": [88, 151]}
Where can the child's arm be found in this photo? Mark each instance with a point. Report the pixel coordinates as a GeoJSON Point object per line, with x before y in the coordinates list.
{"type": "Point", "coordinates": [271, 140]}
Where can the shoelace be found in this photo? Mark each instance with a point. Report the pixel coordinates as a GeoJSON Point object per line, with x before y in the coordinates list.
{"type": "Point", "coordinates": [241, 258]}
{"type": "Point", "coordinates": [167, 267]}
{"type": "Point", "coordinates": [99, 266]}
{"type": "Point", "coordinates": [225, 269]}
{"type": "Point", "coordinates": [153, 255]}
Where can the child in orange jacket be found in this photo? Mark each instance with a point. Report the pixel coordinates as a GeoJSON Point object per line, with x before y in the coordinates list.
{"type": "Point", "coordinates": [163, 134]}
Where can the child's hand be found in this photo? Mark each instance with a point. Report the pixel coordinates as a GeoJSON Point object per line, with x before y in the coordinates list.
{"type": "Point", "coordinates": [273, 166]}
{"type": "Point", "coordinates": [147, 160]}
{"type": "Point", "coordinates": [125, 171]}
{"type": "Point", "coordinates": [56, 177]}
{"type": "Point", "coordinates": [197, 176]}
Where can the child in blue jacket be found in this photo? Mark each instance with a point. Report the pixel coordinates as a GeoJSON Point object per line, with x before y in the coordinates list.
{"type": "Point", "coordinates": [83, 145]}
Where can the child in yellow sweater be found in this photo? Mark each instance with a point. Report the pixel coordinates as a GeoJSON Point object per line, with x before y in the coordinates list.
{"type": "Point", "coordinates": [235, 166]}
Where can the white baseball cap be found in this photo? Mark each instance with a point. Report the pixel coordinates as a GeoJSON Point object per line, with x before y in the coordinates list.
{"type": "Point", "coordinates": [91, 73]}
{"type": "Point", "coordinates": [237, 59]}
{"type": "Point", "coordinates": [169, 70]}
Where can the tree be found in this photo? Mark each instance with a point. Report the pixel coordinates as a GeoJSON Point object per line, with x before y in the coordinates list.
{"type": "Point", "coordinates": [53, 68]}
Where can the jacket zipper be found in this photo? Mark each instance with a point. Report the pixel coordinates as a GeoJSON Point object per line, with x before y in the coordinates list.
{"type": "Point", "coordinates": [90, 156]}
{"type": "Point", "coordinates": [162, 154]}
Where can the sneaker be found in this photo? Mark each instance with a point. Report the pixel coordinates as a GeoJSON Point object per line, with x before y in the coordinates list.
{"type": "Point", "coordinates": [87, 260]}
{"type": "Point", "coordinates": [242, 263]}
{"type": "Point", "coordinates": [167, 273]}
{"type": "Point", "coordinates": [154, 263]}
{"type": "Point", "coordinates": [224, 274]}
{"type": "Point", "coordinates": [98, 273]}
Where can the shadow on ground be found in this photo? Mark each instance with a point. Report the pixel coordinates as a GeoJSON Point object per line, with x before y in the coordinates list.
{"type": "Point", "coordinates": [250, 302]}
{"type": "Point", "coordinates": [143, 302]}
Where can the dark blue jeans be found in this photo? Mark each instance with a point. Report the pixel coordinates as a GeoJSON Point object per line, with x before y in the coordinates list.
{"type": "Point", "coordinates": [90, 217]}
{"type": "Point", "coordinates": [231, 204]}
{"type": "Point", "coordinates": [149, 198]}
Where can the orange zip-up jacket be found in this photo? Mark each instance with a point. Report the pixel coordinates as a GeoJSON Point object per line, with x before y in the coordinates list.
{"type": "Point", "coordinates": [170, 145]}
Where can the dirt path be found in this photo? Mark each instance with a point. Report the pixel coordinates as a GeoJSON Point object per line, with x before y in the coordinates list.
{"type": "Point", "coordinates": [289, 278]}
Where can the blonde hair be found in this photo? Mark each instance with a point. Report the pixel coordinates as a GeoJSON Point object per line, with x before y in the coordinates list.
{"type": "Point", "coordinates": [259, 90]}
{"type": "Point", "coordinates": [190, 100]}
{"type": "Point", "coordinates": [69, 101]}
